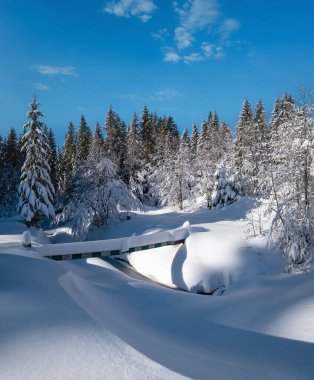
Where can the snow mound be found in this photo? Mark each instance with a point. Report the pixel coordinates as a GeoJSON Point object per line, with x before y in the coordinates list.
{"type": "Point", "coordinates": [208, 261]}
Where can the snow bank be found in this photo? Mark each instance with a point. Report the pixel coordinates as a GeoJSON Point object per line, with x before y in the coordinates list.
{"type": "Point", "coordinates": [45, 334]}
{"type": "Point", "coordinates": [214, 257]}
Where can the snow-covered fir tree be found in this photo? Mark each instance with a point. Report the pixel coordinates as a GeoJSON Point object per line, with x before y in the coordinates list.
{"type": "Point", "coordinates": [35, 190]}
{"type": "Point", "coordinates": [146, 136]}
{"type": "Point", "coordinates": [133, 155]}
{"type": "Point", "coordinates": [205, 165]}
{"type": "Point", "coordinates": [244, 145]}
{"type": "Point", "coordinates": [52, 156]}
{"type": "Point", "coordinates": [83, 140]}
{"type": "Point", "coordinates": [194, 142]}
{"type": "Point", "coordinates": [96, 151]}
{"type": "Point", "coordinates": [67, 161]}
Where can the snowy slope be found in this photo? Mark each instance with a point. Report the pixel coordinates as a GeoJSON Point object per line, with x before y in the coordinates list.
{"type": "Point", "coordinates": [87, 320]}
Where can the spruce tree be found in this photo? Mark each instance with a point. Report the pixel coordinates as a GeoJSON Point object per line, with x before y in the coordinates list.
{"type": "Point", "coordinates": [244, 141]}
{"type": "Point", "coordinates": [194, 141]}
{"type": "Point", "coordinates": [147, 136]}
{"type": "Point", "coordinates": [133, 152]}
{"type": "Point", "coordinates": [225, 137]}
{"type": "Point", "coordinates": [36, 190]}
{"type": "Point", "coordinates": [110, 142]}
{"type": "Point", "coordinates": [83, 140]}
{"type": "Point", "coordinates": [66, 164]}
{"type": "Point", "coordinates": [10, 172]}
{"type": "Point", "coordinates": [52, 157]}
{"type": "Point", "coordinates": [205, 167]}
{"type": "Point", "coordinates": [260, 149]}
{"type": "Point", "coordinates": [97, 147]}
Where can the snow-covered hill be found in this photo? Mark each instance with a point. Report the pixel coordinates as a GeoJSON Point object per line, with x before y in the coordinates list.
{"type": "Point", "coordinates": [87, 320]}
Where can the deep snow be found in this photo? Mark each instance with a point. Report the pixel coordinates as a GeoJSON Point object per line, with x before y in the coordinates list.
{"type": "Point", "coordinates": [87, 320]}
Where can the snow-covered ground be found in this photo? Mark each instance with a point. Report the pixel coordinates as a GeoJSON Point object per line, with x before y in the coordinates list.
{"type": "Point", "coordinates": [87, 320]}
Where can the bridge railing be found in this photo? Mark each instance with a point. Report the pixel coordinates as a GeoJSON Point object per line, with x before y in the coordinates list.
{"type": "Point", "coordinates": [102, 248]}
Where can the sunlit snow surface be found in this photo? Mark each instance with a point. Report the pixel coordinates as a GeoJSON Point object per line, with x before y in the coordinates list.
{"type": "Point", "coordinates": [87, 320]}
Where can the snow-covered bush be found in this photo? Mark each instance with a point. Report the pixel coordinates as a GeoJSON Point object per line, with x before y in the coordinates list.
{"type": "Point", "coordinates": [98, 198]}
{"type": "Point", "coordinates": [227, 188]}
{"type": "Point", "coordinates": [293, 230]}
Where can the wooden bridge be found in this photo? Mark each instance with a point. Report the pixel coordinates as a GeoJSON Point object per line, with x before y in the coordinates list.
{"type": "Point", "coordinates": [104, 248]}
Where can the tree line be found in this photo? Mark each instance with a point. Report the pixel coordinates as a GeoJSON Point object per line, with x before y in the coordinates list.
{"type": "Point", "coordinates": [98, 173]}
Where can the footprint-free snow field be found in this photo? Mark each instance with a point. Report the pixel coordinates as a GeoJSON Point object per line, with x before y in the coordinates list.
{"type": "Point", "coordinates": [85, 319]}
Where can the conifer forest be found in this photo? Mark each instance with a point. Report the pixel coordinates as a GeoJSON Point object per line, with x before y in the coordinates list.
{"type": "Point", "coordinates": [102, 170]}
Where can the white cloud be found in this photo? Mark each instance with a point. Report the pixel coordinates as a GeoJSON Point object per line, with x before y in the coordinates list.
{"type": "Point", "coordinates": [172, 57]}
{"type": "Point", "coordinates": [229, 26]}
{"type": "Point", "coordinates": [158, 96]}
{"type": "Point", "coordinates": [207, 49]}
{"type": "Point", "coordinates": [161, 34]}
{"type": "Point", "coordinates": [142, 9]}
{"type": "Point", "coordinates": [183, 37]}
{"type": "Point", "coordinates": [165, 95]}
{"type": "Point", "coordinates": [194, 16]}
{"type": "Point", "coordinates": [133, 97]}
{"type": "Point", "coordinates": [194, 57]}
{"type": "Point", "coordinates": [56, 70]}
{"type": "Point", "coordinates": [42, 87]}
{"type": "Point", "coordinates": [219, 53]}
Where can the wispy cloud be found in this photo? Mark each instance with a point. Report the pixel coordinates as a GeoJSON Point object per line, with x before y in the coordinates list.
{"type": "Point", "coordinates": [194, 17]}
{"type": "Point", "coordinates": [142, 9]}
{"type": "Point", "coordinates": [170, 56]}
{"type": "Point", "coordinates": [219, 52]}
{"type": "Point", "coordinates": [160, 34]}
{"type": "Point", "coordinates": [133, 97]}
{"type": "Point", "coordinates": [207, 51]}
{"type": "Point", "coordinates": [165, 95]}
{"type": "Point", "coordinates": [56, 70]}
{"type": "Point", "coordinates": [229, 26]}
{"type": "Point", "coordinates": [193, 57]}
{"type": "Point", "coordinates": [42, 87]}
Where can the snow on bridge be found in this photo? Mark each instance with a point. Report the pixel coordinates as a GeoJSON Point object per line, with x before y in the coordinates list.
{"type": "Point", "coordinates": [103, 248]}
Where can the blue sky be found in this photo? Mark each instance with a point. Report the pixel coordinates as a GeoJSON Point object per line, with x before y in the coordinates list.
{"type": "Point", "coordinates": [182, 57]}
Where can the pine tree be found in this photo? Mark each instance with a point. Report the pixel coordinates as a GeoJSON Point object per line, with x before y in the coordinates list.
{"type": "Point", "coordinates": [184, 171]}
{"type": "Point", "coordinates": [146, 136]}
{"type": "Point", "coordinates": [52, 157]}
{"type": "Point", "coordinates": [244, 142]}
{"type": "Point", "coordinates": [83, 140]}
{"type": "Point", "coordinates": [260, 150]}
{"type": "Point", "coordinates": [97, 148]}
{"type": "Point", "coordinates": [213, 139]}
{"type": "Point", "coordinates": [114, 143]}
{"type": "Point", "coordinates": [225, 137]}
{"type": "Point", "coordinates": [194, 142]}
{"type": "Point", "coordinates": [205, 167]}
{"type": "Point", "coordinates": [66, 165]}
{"type": "Point", "coordinates": [36, 190]}
{"type": "Point", "coordinates": [110, 142]}
{"type": "Point", "coordinates": [10, 172]}
{"type": "Point", "coordinates": [133, 154]}
{"type": "Point", "coordinates": [123, 165]}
